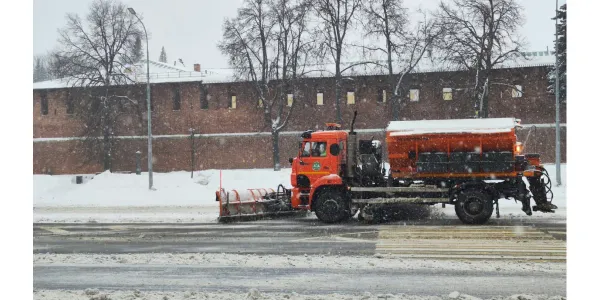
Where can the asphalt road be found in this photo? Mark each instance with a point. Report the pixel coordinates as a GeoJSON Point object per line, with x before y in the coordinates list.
{"type": "Point", "coordinates": [298, 236]}
{"type": "Point", "coordinates": [304, 281]}
{"type": "Point", "coordinates": [529, 240]}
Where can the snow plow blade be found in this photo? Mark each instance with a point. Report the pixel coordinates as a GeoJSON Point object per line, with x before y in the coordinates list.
{"type": "Point", "coordinates": [254, 204]}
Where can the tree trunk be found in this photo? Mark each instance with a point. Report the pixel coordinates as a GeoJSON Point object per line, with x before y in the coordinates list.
{"type": "Point", "coordinates": [396, 106]}
{"type": "Point", "coordinates": [484, 106]}
{"type": "Point", "coordinates": [482, 93]}
{"type": "Point", "coordinates": [106, 144]}
{"type": "Point", "coordinates": [275, 137]}
{"type": "Point", "coordinates": [396, 103]}
{"type": "Point", "coordinates": [485, 98]}
{"type": "Point", "coordinates": [106, 132]}
{"type": "Point", "coordinates": [338, 83]}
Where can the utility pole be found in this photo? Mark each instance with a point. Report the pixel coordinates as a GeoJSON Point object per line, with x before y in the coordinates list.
{"type": "Point", "coordinates": [148, 102]}
{"type": "Point", "coordinates": [557, 96]}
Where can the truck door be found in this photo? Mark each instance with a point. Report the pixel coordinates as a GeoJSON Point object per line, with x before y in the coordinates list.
{"type": "Point", "coordinates": [315, 160]}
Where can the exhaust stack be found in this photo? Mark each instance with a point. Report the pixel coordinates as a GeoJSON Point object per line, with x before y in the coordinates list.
{"type": "Point", "coordinates": [352, 144]}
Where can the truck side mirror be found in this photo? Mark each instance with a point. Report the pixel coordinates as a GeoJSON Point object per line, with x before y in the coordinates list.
{"type": "Point", "coordinates": [334, 149]}
{"type": "Point", "coordinates": [291, 160]}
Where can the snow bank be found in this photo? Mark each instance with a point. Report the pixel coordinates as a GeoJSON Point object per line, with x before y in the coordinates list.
{"type": "Point", "coordinates": [171, 189]}
{"type": "Point", "coordinates": [109, 198]}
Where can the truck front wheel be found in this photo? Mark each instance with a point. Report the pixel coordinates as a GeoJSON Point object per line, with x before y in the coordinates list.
{"type": "Point", "coordinates": [331, 207]}
{"type": "Point", "coordinates": [474, 207]}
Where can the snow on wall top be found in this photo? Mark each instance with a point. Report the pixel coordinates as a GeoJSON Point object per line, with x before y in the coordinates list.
{"type": "Point", "coordinates": [159, 73]}
{"type": "Point", "coordinates": [164, 73]}
{"type": "Point", "coordinates": [493, 125]}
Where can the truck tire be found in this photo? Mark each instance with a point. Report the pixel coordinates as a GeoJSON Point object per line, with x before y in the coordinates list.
{"type": "Point", "coordinates": [331, 207]}
{"type": "Point", "coordinates": [474, 206]}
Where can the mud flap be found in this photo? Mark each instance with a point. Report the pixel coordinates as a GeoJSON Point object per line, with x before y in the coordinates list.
{"type": "Point", "coordinates": [541, 189]}
{"type": "Point", "coordinates": [523, 195]}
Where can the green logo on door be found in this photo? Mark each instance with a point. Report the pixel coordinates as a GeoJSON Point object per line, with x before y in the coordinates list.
{"type": "Point", "coordinates": [316, 166]}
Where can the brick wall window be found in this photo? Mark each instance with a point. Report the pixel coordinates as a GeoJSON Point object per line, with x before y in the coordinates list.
{"type": "Point", "coordinates": [70, 104]}
{"type": "Point", "coordinates": [290, 99]}
{"type": "Point", "coordinates": [517, 91]}
{"type": "Point", "coordinates": [44, 103]}
{"type": "Point", "coordinates": [447, 93]}
{"type": "Point", "coordinates": [350, 97]}
{"type": "Point", "coordinates": [414, 95]}
{"type": "Point", "coordinates": [319, 97]}
{"type": "Point", "coordinates": [203, 97]}
{"type": "Point", "coordinates": [176, 98]}
{"type": "Point", "coordinates": [382, 96]}
{"type": "Point", "coordinates": [233, 102]}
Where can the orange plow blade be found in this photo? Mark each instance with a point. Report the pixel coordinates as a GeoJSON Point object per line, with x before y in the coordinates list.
{"type": "Point", "coordinates": [254, 203]}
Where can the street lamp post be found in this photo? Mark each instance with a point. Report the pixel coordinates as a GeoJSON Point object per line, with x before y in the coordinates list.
{"type": "Point", "coordinates": [557, 100]}
{"type": "Point", "coordinates": [148, 104]}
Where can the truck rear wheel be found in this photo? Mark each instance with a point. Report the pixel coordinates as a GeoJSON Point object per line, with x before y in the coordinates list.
{"type": "Point", "coordinates": [331, 207]}
{"type": "Point", "coordinates": [474, 207]}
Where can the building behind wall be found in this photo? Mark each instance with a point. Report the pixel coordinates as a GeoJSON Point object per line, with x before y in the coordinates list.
{"type": "Point", "coordinates": [232, 134]}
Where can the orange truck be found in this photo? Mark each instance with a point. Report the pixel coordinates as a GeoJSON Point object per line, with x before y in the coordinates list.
{"type": "Point", "coordinates": [468, 163]}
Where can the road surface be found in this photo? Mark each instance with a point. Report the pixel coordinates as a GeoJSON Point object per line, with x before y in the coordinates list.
{"type": "Point", "coordinates": [439, 256]}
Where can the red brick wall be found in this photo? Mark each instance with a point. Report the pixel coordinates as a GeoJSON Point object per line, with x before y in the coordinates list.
{"type": "Point", "coordinates": [536, 106]}
{"type": "Point", "coordinates": [170, 154]}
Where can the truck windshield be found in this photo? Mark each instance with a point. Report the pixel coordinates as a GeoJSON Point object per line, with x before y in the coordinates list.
{"type": "Point", "coordinates": [314, 149]}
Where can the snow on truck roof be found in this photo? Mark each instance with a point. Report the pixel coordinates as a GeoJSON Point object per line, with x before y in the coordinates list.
{"type": "Point", "coordinates": [493, 125]}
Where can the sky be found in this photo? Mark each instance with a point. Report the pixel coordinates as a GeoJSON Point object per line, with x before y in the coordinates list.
{"type": "Point", "coordinates": [191, 29]}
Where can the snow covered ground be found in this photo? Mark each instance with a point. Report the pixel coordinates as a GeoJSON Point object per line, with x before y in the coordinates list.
{"type": "Point", "coordinates": [378, 262]}
{"type": "Point", "coordinates": [171, 189]}
{"type": "Point", "coordinates": [254, 294]}
{"type": "Point", "coordinates": [109, 197]}
{"type": "Point", "coordinates": [343, 262]}
{"type": "Point", "coordinates": [112, 197]}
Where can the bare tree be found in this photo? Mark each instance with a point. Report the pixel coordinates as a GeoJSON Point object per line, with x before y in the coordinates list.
{"type": "Point", "coordinates": [267, 45]}
{"type": "Point", "coordinates": [336, 18]}
{"type": "Point", "coordinates": [94, 53]}
{"type": "Point", "coordinates": [404, 47]}
{"type": "Point", "coordinates": [480, 35]}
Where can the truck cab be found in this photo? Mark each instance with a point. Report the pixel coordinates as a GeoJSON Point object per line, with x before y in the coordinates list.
{"type": "Point", "coordinates": [321, 160]}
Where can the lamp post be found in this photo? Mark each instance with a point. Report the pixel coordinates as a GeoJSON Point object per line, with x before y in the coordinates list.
{"type": "Point", "coordinates": [557, 99]}
{"type": "Point", "coordinates": [148, 104]}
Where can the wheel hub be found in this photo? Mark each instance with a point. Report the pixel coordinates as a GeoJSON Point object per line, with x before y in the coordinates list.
{"type": "Point", "coordinates": [330, 206]}
{"type": "Point", "coordinates": [473, 206]}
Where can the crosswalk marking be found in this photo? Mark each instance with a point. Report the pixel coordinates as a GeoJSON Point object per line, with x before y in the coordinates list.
{"type": "Point", "coordinates": [506, 242]}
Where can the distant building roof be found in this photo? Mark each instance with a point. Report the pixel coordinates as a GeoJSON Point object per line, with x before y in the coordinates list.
{"type": "Point", "coordinates": [159, 73]}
